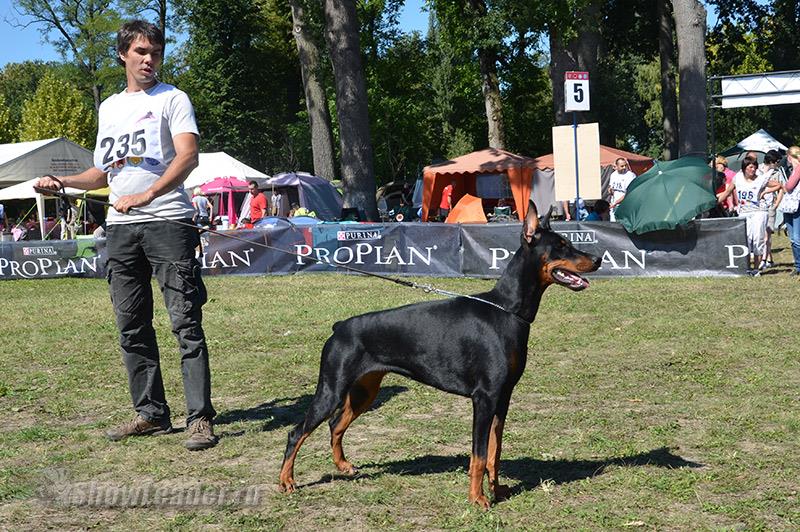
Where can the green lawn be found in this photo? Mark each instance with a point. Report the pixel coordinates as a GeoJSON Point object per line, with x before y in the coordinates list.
{"type": "Point", "coordinates": [646, 404]}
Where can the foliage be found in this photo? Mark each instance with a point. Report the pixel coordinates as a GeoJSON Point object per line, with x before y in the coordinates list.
{"type": "Point", "coordinates": [6, 129]}
{"type": "Point", "coordinates": [752, 37]}
{"type": "Point", "coordinates": [243, 78]}
{"type": "Point", "coordinates": [57, 109]}
{"type": "Point", "coordinates": [83, 33]}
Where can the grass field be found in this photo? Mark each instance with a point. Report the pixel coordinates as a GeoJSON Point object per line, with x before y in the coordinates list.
{"type": "Point", "coordinates": [646, 404]}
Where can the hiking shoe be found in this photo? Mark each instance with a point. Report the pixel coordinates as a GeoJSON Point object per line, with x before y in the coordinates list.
{"type": "Point", "coordinates": [201, 435]}
{"type": "Point", "coordinates": [770, 264]}
{"type": "Point", "coordinates": [139, 426]}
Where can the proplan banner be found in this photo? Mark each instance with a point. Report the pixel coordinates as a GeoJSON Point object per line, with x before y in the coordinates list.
{"type": "Point", "coordinates": [705, 248]}
{"type": "Point", "coordinates": [714, 247]}
{"type": "Point", "coordinates": [401, 249]}
{"type": "Point", "coordinates": [52, 258]}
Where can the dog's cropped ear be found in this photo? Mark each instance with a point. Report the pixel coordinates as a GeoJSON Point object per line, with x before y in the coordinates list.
{"type": "Point", "coordinates": [544, 223]}
{"type": "Point", "coordinates": [531, 223]}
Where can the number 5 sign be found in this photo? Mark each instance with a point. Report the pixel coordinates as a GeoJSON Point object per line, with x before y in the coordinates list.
{"type": "Point", "coordinates": [576, 91]}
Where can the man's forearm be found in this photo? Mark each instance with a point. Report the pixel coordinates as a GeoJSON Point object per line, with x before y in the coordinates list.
{"type": "Point", "coordinates": [91, 179]}
{"type": "Point", "coordinates": [177, 172]}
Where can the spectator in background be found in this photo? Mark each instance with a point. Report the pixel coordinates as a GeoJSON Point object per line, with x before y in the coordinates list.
{"type": "Point", "coordinates": [789, 205]}
{"type": "Point", "coordinates": [599, 212]}
{"type": "Point", "coordinates": [772, 169]}
{"type": "Point", "coordinates": [258, 203]}
{"type": "Point", "coordinates": [721, 164]}
{"type": "Point", "coordinates": [446, 204]}
{"type": "Point", "coordinates": [619, 181]}
{"type": "Point", "coordinates": [202, 208]}
{"type": "Point", "coordinates": [3, 218]}
{"type": "Point", "coordinates": [749, 188]}
{"type": "Point", "coordinates": [275, 202]}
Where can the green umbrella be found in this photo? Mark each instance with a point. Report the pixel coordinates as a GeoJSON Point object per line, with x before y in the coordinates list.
{"type": "Point", "coordinates": [667, 196]}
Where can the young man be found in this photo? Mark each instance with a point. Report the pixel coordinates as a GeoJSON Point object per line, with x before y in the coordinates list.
{"type": "Point", "coordinates": [619, 181]}
{"type": "Point", "coordinates": [146, 147]}
{"type": "Point", "coordinates": [258, 203]}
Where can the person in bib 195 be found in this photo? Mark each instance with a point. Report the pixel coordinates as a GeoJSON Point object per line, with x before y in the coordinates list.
{"type": "Point", "coordinates": [750, 187]}
{"type": "Point", "coordinates": [147, 143]}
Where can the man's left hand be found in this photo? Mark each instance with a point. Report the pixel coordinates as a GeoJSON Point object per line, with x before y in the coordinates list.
{"type": "Point", "coordinates": [131, 201]}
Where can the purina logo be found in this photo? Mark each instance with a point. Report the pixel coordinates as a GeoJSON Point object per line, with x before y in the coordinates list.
{"type": "Point", "coordinates": [580, 237]}
{"type": "Point", "coordinates": [372, 234]}
{"type": "Point", "coordinates": [41, 251]}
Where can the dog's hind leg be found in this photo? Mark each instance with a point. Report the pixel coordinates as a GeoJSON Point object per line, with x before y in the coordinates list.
{"type": "Point", "coordinates": [327, 397]}
{"type": "Point", "coordinates": [484, 408]}
{"type": "Point", "coordinates": [361, 395]}
{"type": "Point", "coordinates": [499, 491]}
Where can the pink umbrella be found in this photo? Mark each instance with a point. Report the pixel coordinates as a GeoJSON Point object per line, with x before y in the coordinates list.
{"type": "Point", "coordinates": [221, 185]}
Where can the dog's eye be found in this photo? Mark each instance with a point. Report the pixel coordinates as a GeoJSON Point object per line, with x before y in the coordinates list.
{"type": "Point", "coordinates": [562, 243]}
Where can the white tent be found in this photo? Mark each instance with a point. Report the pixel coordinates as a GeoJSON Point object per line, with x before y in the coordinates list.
{"type": "Point", "coordinates": [760, 141]}
{"type": "Point", "coordinates": [25, 191]}
{"type": "Point", "coordinates": [219, 164]}
{"type": "Point", "coordinates": [22, 161]}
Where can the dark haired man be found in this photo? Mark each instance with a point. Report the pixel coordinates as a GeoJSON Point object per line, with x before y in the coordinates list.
{"type": "Point", "coordinates": [146, 147]}
{"type": "Point", "coordinates": [258, 203]}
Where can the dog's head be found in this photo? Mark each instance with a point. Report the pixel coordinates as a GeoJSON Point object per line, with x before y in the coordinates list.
{"type": "Point", "coordinates": [556, 258]}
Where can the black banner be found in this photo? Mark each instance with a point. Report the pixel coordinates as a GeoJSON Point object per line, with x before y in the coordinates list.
{"type": "Point", "coordinates": [715, 247]}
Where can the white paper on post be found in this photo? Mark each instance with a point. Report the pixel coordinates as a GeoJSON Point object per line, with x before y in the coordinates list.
{"type": "Point", "coordinates": [588, 162]}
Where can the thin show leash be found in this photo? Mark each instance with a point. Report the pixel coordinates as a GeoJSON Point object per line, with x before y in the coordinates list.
{"type": "Point", "coordinates": [65, 197]}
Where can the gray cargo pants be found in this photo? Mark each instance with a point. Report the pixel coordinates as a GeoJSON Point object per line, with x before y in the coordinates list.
{"type": "Point", "coordinates": [135, 252]}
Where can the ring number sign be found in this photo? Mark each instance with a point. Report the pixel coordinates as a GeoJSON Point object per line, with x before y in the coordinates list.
{"type": "Point", "coordinates": [576, 91]}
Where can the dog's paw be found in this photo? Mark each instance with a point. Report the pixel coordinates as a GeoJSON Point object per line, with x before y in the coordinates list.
{"type": "Point", "coordinates": [287, 486]}
{"type": "Point", "coordinates": [481, 502]}
{"type": "Point", "coordinates": [347, 468]}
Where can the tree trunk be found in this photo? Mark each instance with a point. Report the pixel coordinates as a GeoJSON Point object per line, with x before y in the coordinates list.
{"type": "Point", "coordinates": [690, 29]}
{"type": "Point", "coordinates": [358, 177]}
{"type": "Point", "coordinates": [669, 104]}
{"type": "Point", "coordinates": [490, 86]}
{"type": "Point", "coordinates": [319, 117]}
{"type": "Point", "coordinates": [579, 54]}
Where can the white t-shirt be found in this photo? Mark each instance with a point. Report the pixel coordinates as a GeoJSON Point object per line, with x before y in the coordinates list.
{"type": "Point", "coordinates": [748, 192]}
{"type": "Point", "coordinates": [135, 147]}
{"type": "Point", "coordinates": [619, 184]}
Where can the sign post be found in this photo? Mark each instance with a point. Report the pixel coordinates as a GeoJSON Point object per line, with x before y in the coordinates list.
{"type": "Point", "coordinates": [576, 98]}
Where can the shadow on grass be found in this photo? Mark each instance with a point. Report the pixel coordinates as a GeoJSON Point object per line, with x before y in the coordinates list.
{"type": "Point", "coordinates": [529, 472]}
{"type": "Point", "coordinates": [289, 411]}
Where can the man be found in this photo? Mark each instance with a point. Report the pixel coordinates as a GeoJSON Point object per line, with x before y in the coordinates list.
{"type": "Point", "coordinates": [202, 208]}
{"type": "Point", "coordinates": [619, 180]}
{"type": "Point", "coordinates": [258, 203]}
{"type": "Point", "coordinates": [275, 202]}
{"type": "Point", "coordinates": [3, 219]}
{"type": "Point", "coordinates": [446, 205]}
{"type": "Point", "coordinates": [146, 147]}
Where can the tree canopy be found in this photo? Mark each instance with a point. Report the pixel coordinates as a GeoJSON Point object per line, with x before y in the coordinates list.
{"type": "Point", "coordinates": [426, 92]}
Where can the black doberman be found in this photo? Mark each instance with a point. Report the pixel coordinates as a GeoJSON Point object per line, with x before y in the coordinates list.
{"type": "Point", "coordinates": [473, 346]}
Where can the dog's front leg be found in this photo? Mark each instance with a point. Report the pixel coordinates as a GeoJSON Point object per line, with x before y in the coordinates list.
{"type": "Point", "coordinates": [499, 491]}
{"type": "Point", "coordinates": [483, 412]}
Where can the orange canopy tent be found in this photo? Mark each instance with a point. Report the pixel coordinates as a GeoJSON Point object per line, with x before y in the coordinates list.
{"type": "Point", "coordinates": [469, 209]}
{"type": "Point", "coordinates": [464, 171]}
{"type": "Point", "coordinates": [608, 156]}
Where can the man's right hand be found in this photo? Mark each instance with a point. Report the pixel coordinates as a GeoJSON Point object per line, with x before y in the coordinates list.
{"type": "Point", "coordinates": [48, 182]}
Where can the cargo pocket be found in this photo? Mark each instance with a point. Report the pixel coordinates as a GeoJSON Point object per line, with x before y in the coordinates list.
{"type": "Point", "coordinates": [190, 284]}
